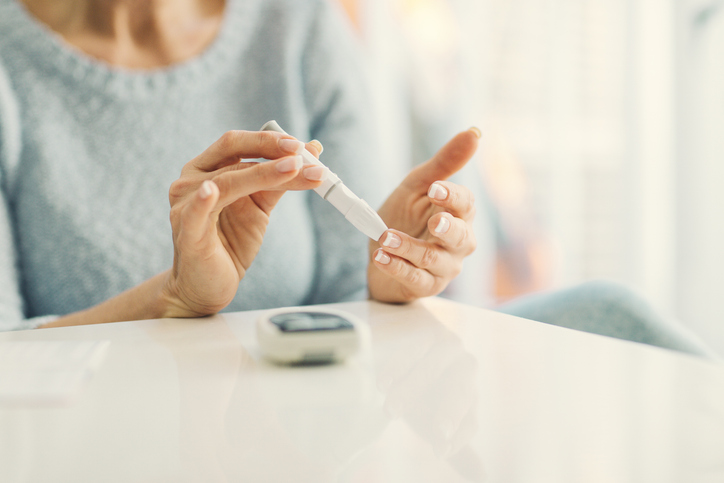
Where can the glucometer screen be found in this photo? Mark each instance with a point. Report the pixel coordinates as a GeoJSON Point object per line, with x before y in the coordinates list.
{"type": "Point", "coordinates": [310, 321]}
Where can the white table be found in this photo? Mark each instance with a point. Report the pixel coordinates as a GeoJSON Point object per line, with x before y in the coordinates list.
{"type": "Point", "coordinates": [444, 393]}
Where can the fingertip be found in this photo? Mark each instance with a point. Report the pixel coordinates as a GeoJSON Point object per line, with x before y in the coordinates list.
{"type": "Point", "coordinates": [390, 240]}
{"type": "Point", "coordinates": [437, 192]}
{"type": "Point", "coordinates": [291, 145]}
{"type": "Point", "coordinates": [476, 131]}
{"type": "Point", "coordinates": [382, 257]}
{"type": "Point", "coordinates": [314, 173]}
{"type": "Point", "coordinates": [290, 164]}
{"type": "Point", "coordinates": [207, 189]}
{"type": "Point", "coordinates": [442, 226]}
{"type": "Point", "coordinates": [316, 146]}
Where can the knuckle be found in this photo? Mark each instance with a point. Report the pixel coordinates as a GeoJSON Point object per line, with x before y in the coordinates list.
{"type": "Point", "coordinates": [186, 214]}
{"type": "Point", "coordinates": [397, 269]}
{"type": "Point", "coordinates": [262, 141]}
{"type": "Point", "coordinates": [406, 250]}
{"type": "Point", "coordinates": [472, 210]}
{"type": "Point", "coordinates": [227, 140]}
{"type": "Point", "coordinates": [178, 190]}
{"type": "Point", "coordinates": [428, 257]}
{"type": "Point", "coordinates": [233, 182]}
{"type": "Point", "coordinates": [255, 176]}
{"type": "Point", "coordinates": [413, 277]}
{"type": "Point", "coordinates": [457, 268]}
{"type": "Point", "coordinates": [175, 214]}
{"type": "Point", "coordinates": [463, 239]}
{"type": "Point", "coordinates": [174, 191]}
{"type": "Point", "coordinates": [453, 195]}
{"type": "Point", "coordinates": [189, 167]}
{"type": "Point", "coordinates": [472, 242]}
{"type": "Point", "coordinates": [469, 194]}
{"type": "Point", "coordinates": [470, 201]}
{"type": "Point", "coordinates": [222, 182]}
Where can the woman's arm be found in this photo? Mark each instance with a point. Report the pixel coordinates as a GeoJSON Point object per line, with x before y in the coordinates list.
{"type": "Point", "coordinates": [220, 208]}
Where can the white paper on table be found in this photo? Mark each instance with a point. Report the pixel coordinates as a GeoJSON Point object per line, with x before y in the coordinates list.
{"type": "Point", "coordinates": [39, 373]}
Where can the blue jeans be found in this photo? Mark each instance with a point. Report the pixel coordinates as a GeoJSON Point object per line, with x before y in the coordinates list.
{"type": "Point", "coordinates": [610, 309]}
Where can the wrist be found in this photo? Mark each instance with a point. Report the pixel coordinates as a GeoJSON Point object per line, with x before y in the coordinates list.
{"type": "Point", "coordinates": [153, 299]}
{"type": "Point", "coordinates": [161, 300]}
{"type": "Point", "coordinates": [173, 302]}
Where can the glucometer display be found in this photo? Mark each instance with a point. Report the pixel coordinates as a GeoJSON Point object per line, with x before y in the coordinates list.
{"type": "Point", "coordinates": [308, 336]}
{"type": "Point", "coordinates": [310, 321]}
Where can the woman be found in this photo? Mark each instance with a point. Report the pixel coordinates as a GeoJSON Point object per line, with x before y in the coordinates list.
{"type": "Point", "coordinates": [101, 103]}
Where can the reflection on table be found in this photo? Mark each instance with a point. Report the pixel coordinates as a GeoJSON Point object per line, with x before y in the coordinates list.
{"type": "Point", "coordinates": [440, 392]}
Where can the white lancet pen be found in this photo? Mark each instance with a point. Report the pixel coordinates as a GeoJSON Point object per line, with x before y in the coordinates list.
{"type": "Point", "coordinates": [354, 208]}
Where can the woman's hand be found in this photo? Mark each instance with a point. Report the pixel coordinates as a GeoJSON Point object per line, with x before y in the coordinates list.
{"type": "Point", "coordinates": [220, 209]}
{"type": "Point", "coordinates": [431, 228]}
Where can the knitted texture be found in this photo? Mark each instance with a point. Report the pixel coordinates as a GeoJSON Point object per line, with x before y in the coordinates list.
{"type": "Point", "coordinates": [89, 151]}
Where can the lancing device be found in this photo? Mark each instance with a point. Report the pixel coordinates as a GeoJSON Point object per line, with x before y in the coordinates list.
{"type": "Point", "coordinates": [354, 208]}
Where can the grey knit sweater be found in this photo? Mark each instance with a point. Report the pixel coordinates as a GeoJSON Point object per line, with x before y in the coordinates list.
{"type": "Point", "coordinates": [88, 152]}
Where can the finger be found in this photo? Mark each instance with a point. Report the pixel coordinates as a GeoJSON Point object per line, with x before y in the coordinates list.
{"type": "Point", "coordinates": [195, 216]}
{"type": "Point", "coordinates": [315, 147]}
{"type": "Point", "coordinates": [313, 174]}
{"type": "Point", "coordinates": [423, 255]}
{"type": "Point", "coordinates": [452, 232]}
{"type": "Point", "coordinates": [235, 145]}
{"type": "Point", "coordinates": [310, 178]}
{"type": "Point", "coordinates": [416, 281]}
{"type": "Point", "coordinates": [235, 184]}
{"type": "Point", "coordinates": [447, 161]}
{"type": "Point", "coordinates": [456, 199]}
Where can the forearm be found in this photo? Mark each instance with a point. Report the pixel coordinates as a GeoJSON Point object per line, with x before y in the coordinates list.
{"type": "Point", "coordinates": [148, 300]}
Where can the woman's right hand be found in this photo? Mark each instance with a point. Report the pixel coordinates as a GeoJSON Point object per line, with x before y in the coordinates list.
{"type": "Point", "coordinates": [220, 209]}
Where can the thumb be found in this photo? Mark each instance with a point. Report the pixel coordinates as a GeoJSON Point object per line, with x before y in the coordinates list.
{"type": "Point", "coordinates": [447, 161]}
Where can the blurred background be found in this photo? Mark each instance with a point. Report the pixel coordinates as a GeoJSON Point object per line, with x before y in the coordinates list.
{"type": "Point", "coordinates": [603, 138]}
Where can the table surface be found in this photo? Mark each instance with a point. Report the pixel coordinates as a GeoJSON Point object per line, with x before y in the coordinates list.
{"type": "Point", "coordinates": [442, 392]}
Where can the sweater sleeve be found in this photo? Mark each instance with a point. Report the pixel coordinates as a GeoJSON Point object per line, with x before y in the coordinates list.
{"type": "Point", "coordinates": [337, 98]}
{"type": "Point", "coordinates": [11, 300]}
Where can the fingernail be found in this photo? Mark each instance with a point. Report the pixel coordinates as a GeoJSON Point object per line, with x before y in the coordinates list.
{"type": "Point", "coordinates": [382, 257]}
{"type": "Point", "coordinates": [476, 131]}
{"type": "Point", "coordinates": [392, 241]}
{"type": "Point", "coordinates": [437, 192]}
{"type": "Point", "coordinates": [317, 145]}
{"type": "Point", "coordinates": [314, 173]}
{"type": "Point", "coordinates": [291, 145]}
{"type": "Point", "coordinates": [289, 164]}
{"type": "Point", "coordinates": [206, 189]}
{"type": "Point", "coordinates": [443, 225]}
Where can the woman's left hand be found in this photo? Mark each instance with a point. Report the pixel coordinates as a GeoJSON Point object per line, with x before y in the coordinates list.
{"type": "Point", "coordinates": [430, 233]}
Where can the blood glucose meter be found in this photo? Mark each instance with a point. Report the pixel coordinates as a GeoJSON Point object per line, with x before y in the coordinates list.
{"type": "Point", "coordinates": [308, 336]}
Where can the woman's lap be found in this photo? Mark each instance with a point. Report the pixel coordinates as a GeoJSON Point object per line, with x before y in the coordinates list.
{"type": "Point", "coordinates": [610, 309]}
